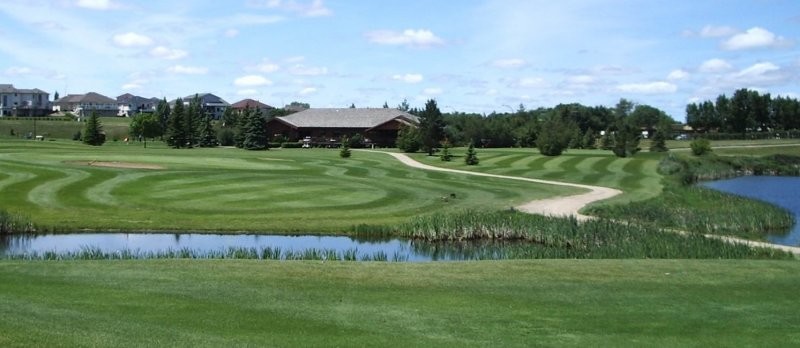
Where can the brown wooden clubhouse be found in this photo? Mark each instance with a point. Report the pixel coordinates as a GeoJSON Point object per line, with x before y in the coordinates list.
{"type": "Point", "coordinates": [322, 127]}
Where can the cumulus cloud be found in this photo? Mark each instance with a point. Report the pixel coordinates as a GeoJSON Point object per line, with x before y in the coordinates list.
{"type": "Point", "coordinates": [97, 4]}
{"type": "Point", "coordinates": [251, 81]}
{"type": "Point", "coordinates": [658, 87]}
{"type": "Point", "coordinates": [408, 37]}
{"type": "Point", "coordinates": [167, 53]}
{"type": "Point", "coordinates": [187, 70]}
{"type": "Point", "coordinates": [131, 39]}
{"type": "Point", "coordinates": [432, 91]}
{"type": "Point", "coordinates": [408, 78]}
{"type": "Point", "coordinates": [677, 75]}
{"type": "Point", "coordinates": [131, 86]}
{"type": "Point", "coordinates": [510, 63]}
{"type": "Point", "coordinates": [753, 38]}
{"type": "Point", "coordinates": [759, 74]}
{"type": "Point", "coordinates": [714, 65]}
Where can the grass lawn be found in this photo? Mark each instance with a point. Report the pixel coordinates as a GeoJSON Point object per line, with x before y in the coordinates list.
{"type": "Point", "coordinates": [225, 189]}
{"type": "Point", "coordinates": [115, 127]}
{"type": "Point", "coordinates": [501, 304]}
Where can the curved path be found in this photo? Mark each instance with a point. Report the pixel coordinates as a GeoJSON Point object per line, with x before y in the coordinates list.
{"type": "Point", "coordinates": [571, 205]}
{"type": "Point", "coordinates": [556, 206]}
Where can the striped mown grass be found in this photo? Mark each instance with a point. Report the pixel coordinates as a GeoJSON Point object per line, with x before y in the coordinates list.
{"type": "Point", "coordinates": [223, 189]}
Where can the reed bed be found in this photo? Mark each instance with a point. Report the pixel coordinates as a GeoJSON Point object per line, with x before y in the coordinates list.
{"type": "Point", "coordinates": [513, 235]}
{"type": "Point", "coordinates": [10, 223]}
{"type": "Point", "coordinates": [235, 253]}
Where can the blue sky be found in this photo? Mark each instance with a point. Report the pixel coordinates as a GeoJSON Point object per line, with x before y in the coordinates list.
{"type": "Point", "coordinates": [470, 55]}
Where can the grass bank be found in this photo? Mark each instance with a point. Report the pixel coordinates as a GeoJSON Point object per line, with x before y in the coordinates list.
{"type": "Point", "coordinates": [511, 303]}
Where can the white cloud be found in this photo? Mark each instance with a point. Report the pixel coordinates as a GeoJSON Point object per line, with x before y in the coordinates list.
{"type": "Point", "coordinates": [712, 31]}
{"type": "Point", "coordinates": [251, 81]}
{"type": "Point", "coordinates": [167, 53]}
{"type": "Point", "coordinates": [715, 65]}
{"type": "Point", "coordinates": [131, 39]}
{"type": "Point", "coordinates": [97, 4]}
{"type": "Point", "coordinates": [759, 74]}
{"type": "Point", "coordinates": [408, 37]}
{"type": "Point", "coordinates": [510, 63]}
{"type": "Point", "coordinates": [187, 70]}
{"type": "Point", "coordinates": [753, 38]}
{"type": "Point", "coordinates": [528, 82]}
{"type": "Point", "coordinates": [231, 33]}
{"type": "Point", "coordinates": [302, 70]}
{"type": "Point", "coordinates": [658, 87]}
{"type": "Point", "coordinates": [131, 86]}
{"type": "Point", "coordinates": [17, 71]}
{"type": "Point", "coordinates": [408, 78]}
{"type": "Point", "coordinates": [307, 91]}
{"type": "Point", "coordinates": [581, 80]}
{"type": "Point", "coordinates": [265, 67]}
{"type": "Point", "coordinates": [432, 91]}
{"type": "Point", "coordinates": [316, 9]}
{"type": "Point", "coordinates": [677, 75]}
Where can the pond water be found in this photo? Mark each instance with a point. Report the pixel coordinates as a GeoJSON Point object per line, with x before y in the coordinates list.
{"type": "Point", "coordinates": [779, 190]}
{"type": "Point", "coordinates": [203, 245]}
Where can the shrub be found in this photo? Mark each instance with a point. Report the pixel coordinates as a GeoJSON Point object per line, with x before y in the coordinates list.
{"type": "Point", "coordinates": [226, 137]}
{"type": "Point", "coordinates": [408, 139]}
{"type": "Point", "coordinates": [700, 147]}
{"type": "Point", "coordinates": [77, 136]}
{"type": "Point", "coordinates": [446, 156]}
{"type": "Point", "coordinates": [472, 157]}
{"type": "Point", "coordinates": [345, 151]}
{"type": "Point", "coordinates": [288, 145]}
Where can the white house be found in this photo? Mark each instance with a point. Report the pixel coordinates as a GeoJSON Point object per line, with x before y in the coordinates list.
{"type": "Point", "coordinates": [23, 102]}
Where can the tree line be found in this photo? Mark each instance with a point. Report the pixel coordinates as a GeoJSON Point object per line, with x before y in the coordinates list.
{"type": "Point", "coordinates": [744, 112]}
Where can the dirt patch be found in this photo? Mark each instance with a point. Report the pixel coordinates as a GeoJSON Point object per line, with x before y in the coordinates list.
{"type": "Point", "coordinates": [124, 165]}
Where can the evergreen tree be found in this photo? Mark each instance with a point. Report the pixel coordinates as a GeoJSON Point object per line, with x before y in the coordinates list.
{"type": "Point", "coordinates": [255, 132]}
{"type": "Point", "coordinates": [554, 137]}
{"type": "Point", "coordinates": [162, 115]}
{"type": "Point", "coordinates": [408, 139]}
{"type": "Point", "coordinates": [663, 131]}
{"type": "Point", "coordinates": [385, 105]}
{"type": "Point", "coordinates": [191, 120]}
{"type": "Point", "coordinates": [208, 136]}
{"type": "Point", "coordinates": [607, 142]}
{"type": "Point", "coordinates": [446, 156]}
{"type": "Point", "coordinates": [471, 158]}
{"type": "Point", "coordinates": [93, 132]}
{"type": "Point", "coordinates": [241, 126]}
{"type": "Point", "coordinates": [345, 151]}
{"type": "Point", "coordinates": [626, 139]}
{"type": "Point", "coordinates": [589, 139]}
{"type": "Point", "coordinates": [230, 118]}
{"type": "Point", "coordinates": [404, 106]}
{"type": "Point", "coordinates": [176, 130]}
{"type": "Point", "coordinates": [431, 127]}
{"type": "Point", "coordinates": [55, 96]}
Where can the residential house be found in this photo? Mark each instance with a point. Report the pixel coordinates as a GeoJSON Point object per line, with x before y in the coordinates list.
{"type": "Point", "coordinates": [252, 104]}
{"type": "Point", "coordinates": [83, 105]}
{"type": "Point", "coordinates": [23, 102]}
{"type": "Point", "coordinates": [323, 127]}
{"type": "Point", "coordinates": [213, 105]}
{"type": "Point", "coordinates": [129, 105]}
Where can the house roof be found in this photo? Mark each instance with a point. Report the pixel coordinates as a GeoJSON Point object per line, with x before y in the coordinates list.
{"type": "Point", "coordinates": [206, 99]}
{"type": "Point", "coordinates": [8, 88]}
{"type": "Point", "coordinates": [346, 118]}
{"type": "Point", "coordinates": [91, 97]}
{"type": "Point", "coordinates": [250, 103]}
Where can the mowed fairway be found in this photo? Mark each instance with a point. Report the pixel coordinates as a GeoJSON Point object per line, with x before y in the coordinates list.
{"type": "Point", "coordinates": [610, 303]}
{"type": "Point", "coordinates": [67, 185]}
{"type": "Point", "coordinates": [637, 177]}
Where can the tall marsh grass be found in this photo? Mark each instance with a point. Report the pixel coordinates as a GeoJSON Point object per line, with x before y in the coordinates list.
{"type": "Point", "coordinates": [10, 223]}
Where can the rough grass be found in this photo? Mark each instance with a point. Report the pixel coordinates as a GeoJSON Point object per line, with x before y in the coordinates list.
{"type": "Point", "coordinates": [665, 303]}
{"type": "Point", "coordinates": [222, 189]}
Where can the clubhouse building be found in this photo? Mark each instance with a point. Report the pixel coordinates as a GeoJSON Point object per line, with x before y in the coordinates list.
{"type": "Point", "coordinates": [322, 127]}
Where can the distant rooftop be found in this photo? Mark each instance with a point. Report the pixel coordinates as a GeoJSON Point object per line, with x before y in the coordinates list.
{"type": "Point", "coordinates": [346, 118]}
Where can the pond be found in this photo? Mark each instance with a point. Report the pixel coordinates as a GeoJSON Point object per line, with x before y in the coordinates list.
{"type": "Point", "coordinates": [193, 245]}
{"type": "Point", "coordinates": [778, 190]}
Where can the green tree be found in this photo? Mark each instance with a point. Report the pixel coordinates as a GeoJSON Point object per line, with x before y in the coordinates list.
{"type": "Point", "coordinates": [385, 105]}
{"type": "Point", "coordinates": [55, 96]}
{"type": "Point", "coordinates": [663, 132]}
{"type": "Point", "coordinates": [589, 139]}
{"type": "Point", "coordinates": [446, 156]}
{"type": "Point", "coordinates": [255, 132]}
{"type": "Point", "coordinates": [192, 119]}
{"type": "Point", "coordinates": [431, 127]}
{"type": "Point", "coordinates": [345, 151]}
{"type": "Point", "coordinates": [404, 106]}
{"type": "Point", "coordinates": [471, 158]}
{"type": "Point", "coordinates": [606, 141]}
{"type": "Point", "coordinates": [162, 114]}
{"type": "Point", "coordinates": [230, 118]}
{"type": "Point", "coordinates": [145, 126]}
{"type": "Point", "coordinates": [208, 136]}
{"type": "Point", "coordinates": [554, 137]}
{"type": "Point", "coordinates": [176, 130]}
{"type": "Point", "coordinates": [408, 139]}
{"type": "Point", "coordinates": [93, 132]}
{"type": "Point", "coordinates": [626, 139]}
